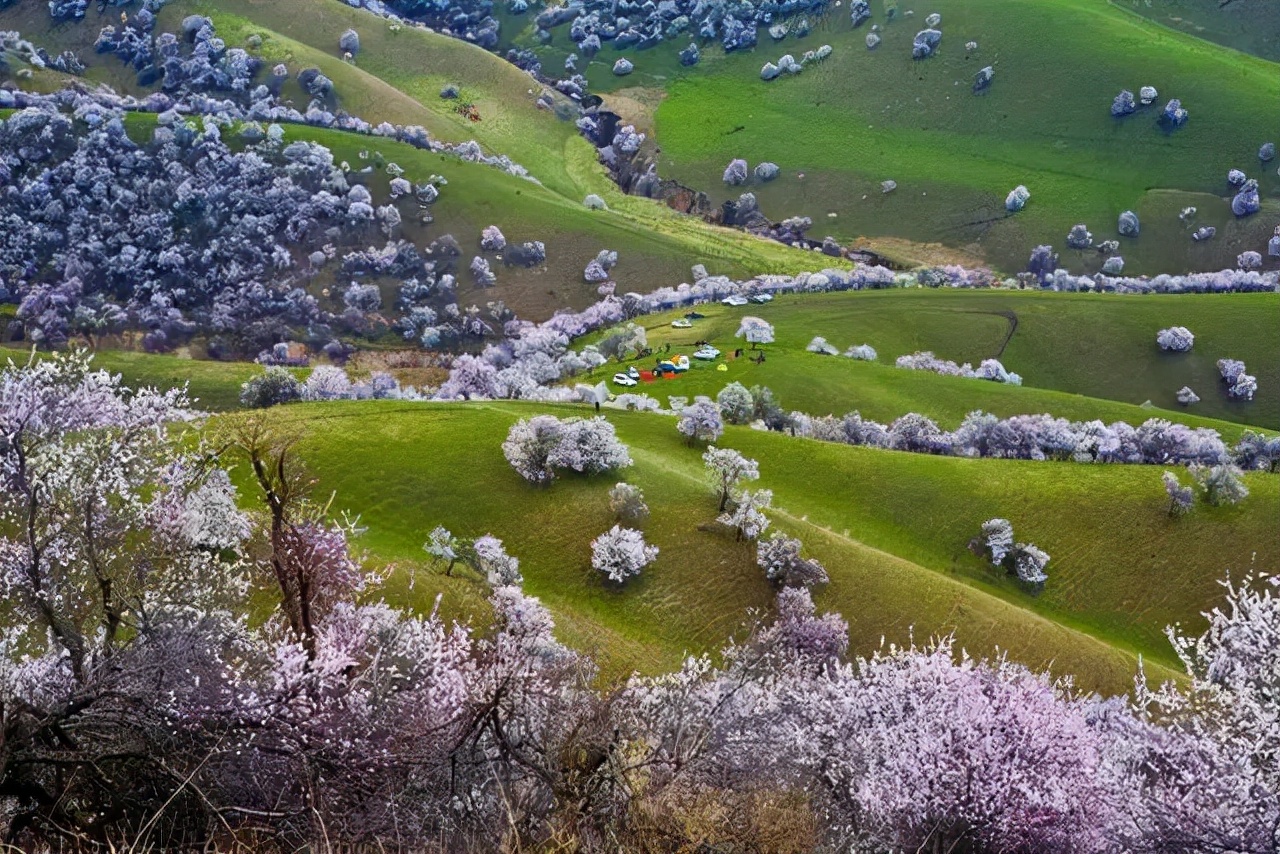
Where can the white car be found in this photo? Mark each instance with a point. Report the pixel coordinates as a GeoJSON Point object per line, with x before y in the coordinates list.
{"type": "Point", "coordinates": [624, 379]}
{"type": "Point", "coordinates": [633, 373]}
{"type": "Point", "coordinates": [734, 300]}
{"type": "Point", "coordinates": [706, 353]}
{"type": "Point", "coordinates": [682, 323]}
{"type": "Point", "coordinates": [762, 298]}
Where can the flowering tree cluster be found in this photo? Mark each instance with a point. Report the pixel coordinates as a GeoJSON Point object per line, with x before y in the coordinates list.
{"type": "Point", "coordinates": [476, 378]}
{"type": "Point", "coordinates": [12, 43]}
{"type": "Point", "coordinates": [990, 369]}
{"type": "Point", "coordinates": [621, 553]}
{"type": "Point", "coordinates": [701, 421]}
{"type": "Point", "coordinates": [177, 235]}
{"type": "Point", "coordinates": [141, 704]}
{"type": "Point", "coordinates": [1043, 437]}
{"type": "Point", "coordinates": [207, 65]}
{"type": "Point", "coordinates": [1232, 668]}
{"type": "Point", "coordinates": [779, 557]}
{"type": "Point", "coordinates": [486, 555]}
{"type": "Point", "coordinates": [537, 447]}
{"type": "Point", "coordinates": [277, 385]}
{"type": "Point", "coordinates": [1257, 452]}
{"type": "Point", "coordinates": [626, 502]}
{"type": "Point", "coordinates": [1220, 484]}
{"type": "Point", "coordinates": [1178, 339]}
{"type": "Point", "coordinates": [1021, 559]}
{"type": "Point", "coordinates": [735, 26]}
{"type": "Point", "coordinates": [737, 405]}
{"type": "Point", "coordinates": [1240, 385]}
{"type": "Point", "coordinates": [926, 748]}
{"type": "Point", "coordinates": [206, 77]}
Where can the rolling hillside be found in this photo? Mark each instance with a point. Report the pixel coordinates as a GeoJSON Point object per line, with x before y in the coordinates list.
{"type": "Point", "coordinates": [891, 528]}
{"type": "Point", "coordinates": [1063, 345]}
{"type": "Point", "coordinates": [862, 117]}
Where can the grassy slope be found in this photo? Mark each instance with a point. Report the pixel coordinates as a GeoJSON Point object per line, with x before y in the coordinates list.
{"type": "Point", "coordinates": [892, 529]}
{"type": "Point", "coordinates": [1253, 27]}
{"type": "Point", "coordinates": [864, 116]}
{"type": "Point", "coordinates": [1082, 344]}
{"type": "Point", "coordinates": [214, 386]}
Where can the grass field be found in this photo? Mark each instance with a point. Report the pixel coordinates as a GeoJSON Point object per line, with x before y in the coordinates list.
{"type": "Point", "coordinates": [1253, 27]}
{"type": "Point", "coordinates": [864, 116]}
{"type": "Point", "coordinates": [1064, 346]}
{"type": "Point", "coordinates": [477, 196]}
{"type": "Point", "coordinates": [892, 529]}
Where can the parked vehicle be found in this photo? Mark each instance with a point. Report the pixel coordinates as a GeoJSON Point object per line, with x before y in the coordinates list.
{"type": "Point", "coordinates": [707, 353]}
{"type": "Point", "coordinates": [734, 300]}
{"type": "Point", "coordinates": [625, 379]}
{"type": "Point", "coordinates": [681, 324]}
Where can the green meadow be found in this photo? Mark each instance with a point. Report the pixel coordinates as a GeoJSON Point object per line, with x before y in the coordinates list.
{"type": "Point", "coordinates": [892, 529]}
{"type": "Point", "coordinates": [1081, 356]}
{"type": "Point", "coordinates": [863, 116]}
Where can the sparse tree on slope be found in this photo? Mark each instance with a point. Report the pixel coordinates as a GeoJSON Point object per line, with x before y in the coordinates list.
{"type": "Point", "coordinates": [1181, 498]}
{"type": "Point", "coordinates": [700, 421]}
{"type": "Point", "coordinates": [627, 503]}
{"type": "Point", "coordinates": [755, 330]}
{"type": "Point", "coordinates": [779, 557]}
{"type": "Point", "coordinates": [747, 517]}
{"type": "Point", "coordinates": [442, 545]}
{"type": "Point", "coordinates": [727, 470]}
{"type": "Point", "coordinates": [531, 446]}
{"type": "Point", "coordinates": [493, 562]}
{"type": "Point", "coordinates": [621, 553]}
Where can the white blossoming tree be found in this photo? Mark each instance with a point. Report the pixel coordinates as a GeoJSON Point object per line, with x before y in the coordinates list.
{"type": "Point", "coordinates": [621, 553]}
{"type": "Point", "coordinates": [747, 517]}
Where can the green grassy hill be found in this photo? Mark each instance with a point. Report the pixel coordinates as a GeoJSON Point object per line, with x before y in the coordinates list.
{"type": "Point", "coordinates": [891, 528]}
{"type": "Point", "coordinates": [1063, 345]}
{"type": "Point", "coordinates": [865, 116]}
